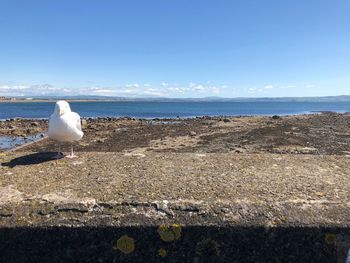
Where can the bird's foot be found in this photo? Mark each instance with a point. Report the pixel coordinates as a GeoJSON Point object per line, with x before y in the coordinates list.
{"type": "Point", "coordinates": [71, 156]}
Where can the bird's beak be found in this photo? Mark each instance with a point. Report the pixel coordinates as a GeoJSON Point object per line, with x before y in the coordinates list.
{"type": "Point", "coordinates": [61, 112]}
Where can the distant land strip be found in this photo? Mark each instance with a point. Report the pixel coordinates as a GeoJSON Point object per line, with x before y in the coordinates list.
{"type": "Point", "coordinates": [340, 98]}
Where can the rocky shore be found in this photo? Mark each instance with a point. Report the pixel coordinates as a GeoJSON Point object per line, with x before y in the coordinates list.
{"type": "Point", "coordinates": [223, 189]}
{"type": "Point", "coordinates": [319, 134]}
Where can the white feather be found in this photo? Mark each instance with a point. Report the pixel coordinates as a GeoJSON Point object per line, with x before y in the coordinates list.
{"type": "Point", "coordinates": [64, 125]}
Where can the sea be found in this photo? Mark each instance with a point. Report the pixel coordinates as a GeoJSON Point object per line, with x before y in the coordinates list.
{"type": "Point", "coordinates": [186, 109]}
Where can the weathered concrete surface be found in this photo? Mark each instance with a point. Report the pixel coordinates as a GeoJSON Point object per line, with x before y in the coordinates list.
{"type": "Point", "coordinates": [254, 189]}
{"type": "Point", "coordinates": [230, 207]}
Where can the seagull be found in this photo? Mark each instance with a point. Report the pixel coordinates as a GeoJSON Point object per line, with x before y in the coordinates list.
{"type": "Point", "coordinates": [65, 126]}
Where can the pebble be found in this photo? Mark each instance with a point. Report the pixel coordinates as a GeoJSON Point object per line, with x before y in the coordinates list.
{"type": "Point", "coordinates": [84, 123]}
{"type": "Point", "coordinates": [192, 133]}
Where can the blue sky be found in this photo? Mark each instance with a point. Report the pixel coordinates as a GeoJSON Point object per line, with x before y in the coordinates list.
{"type": "Point", "coordinates": [175, 48]}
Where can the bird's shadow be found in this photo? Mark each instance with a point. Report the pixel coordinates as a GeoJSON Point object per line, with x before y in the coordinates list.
{"type": "Point", "coordinates": [34, 158]}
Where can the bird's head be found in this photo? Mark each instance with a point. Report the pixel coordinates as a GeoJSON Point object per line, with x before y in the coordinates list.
{"type": "Point", "coordinates": [62, 107]}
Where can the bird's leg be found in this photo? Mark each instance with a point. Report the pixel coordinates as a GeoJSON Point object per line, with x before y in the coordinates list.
{"type": "Point", "coordinates": [59, 154]}
{"type": "Point", "coordinates": [72, 155]}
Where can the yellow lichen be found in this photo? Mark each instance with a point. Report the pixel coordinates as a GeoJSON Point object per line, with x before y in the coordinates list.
{"type": "Point", "coordinates": [177, 230]}
{"type": "Point", "coordinates": [330, 238]}
{"type": "Point", "coordinates": [162, 252]}
{"type": "Point", "coordinates": [169, 233]}
{"type": "Point", "coordinates": [125, 244]}
{"type": "Point", "coordinates": [166, 234]}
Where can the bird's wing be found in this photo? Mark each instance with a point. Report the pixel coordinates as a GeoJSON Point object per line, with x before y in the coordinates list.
{"type": "Point", "coordinates": [77, 120]}
{"type": "Point", "coordinates": [50, 128]}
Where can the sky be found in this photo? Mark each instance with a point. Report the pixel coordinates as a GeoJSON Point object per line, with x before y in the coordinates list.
{"type": "Point", "coordinates": [175, 48]}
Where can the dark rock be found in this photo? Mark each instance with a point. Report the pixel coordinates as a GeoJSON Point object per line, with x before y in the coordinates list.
{"type": "Point", "coordinates": [6, 212]}
{"type": "Point", "coordinates": [79, 208]}
{"type": "Point", "coordinates": [35, 124]}
{"type": "Point", "coordinates": [207, 122]}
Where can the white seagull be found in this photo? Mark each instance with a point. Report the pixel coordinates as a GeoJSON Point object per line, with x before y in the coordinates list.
{"type": "Point", "coordinates": [65, 126]}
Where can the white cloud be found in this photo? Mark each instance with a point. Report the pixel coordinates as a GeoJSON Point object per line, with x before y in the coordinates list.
{"type": "Point", "coordinates": [164, 84]}
{"type": "Point", "coordinates": [287, 87]}
{"type": "Point", "coordinates": [153, 92]}
{"type": "Point", "coordinates": [204, 89]}
{"type": "Point", "coordinates": [268, 87]}
{"type": "Point", "coordinates": [130, 90]}
{"type": "Point", "coordinates": [215, 90]}
{"type": "Point", "coordinates": [133, 85]}
{"type": "Point", "coordinates": [251, 90]}
{"type": "Point", "coordinates": [13, 88]}
{"type": "Point", "coordinates": [310, 86]}
{"type": "Point", "coordinates": [23, 90]}
{"type": "Point", "coordinates": [127, 91]}
{"type": "Point", "coordinates": [176, 89]}
{"type": "Point", "coordinates": [198, 88]}
{"type": "Point", "coordinates": [191, 85]}
{"type": "Point", "coordinates": [104, 91]}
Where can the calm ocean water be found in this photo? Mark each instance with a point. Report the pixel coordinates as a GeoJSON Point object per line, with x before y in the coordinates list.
{"type": "Point", "coordinates": [170, 109]}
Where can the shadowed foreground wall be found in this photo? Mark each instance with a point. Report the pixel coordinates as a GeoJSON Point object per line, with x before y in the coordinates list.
{"type": "Point", "coordinates": [191, 244]}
